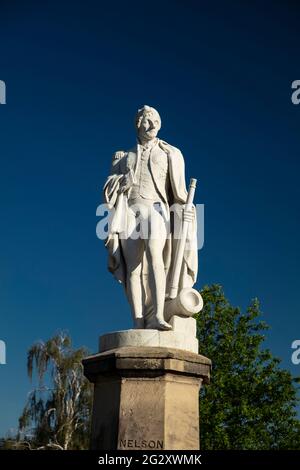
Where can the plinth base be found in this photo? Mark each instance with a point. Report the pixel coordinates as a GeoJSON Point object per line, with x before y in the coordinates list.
{"type": "Point", "coordinates": [146, 398]}
{"type": "Point", "coordinates": [182, 336]}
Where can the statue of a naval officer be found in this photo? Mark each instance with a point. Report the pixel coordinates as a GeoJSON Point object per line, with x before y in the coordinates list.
{"type": "Point", "coordinates": [147, 185]}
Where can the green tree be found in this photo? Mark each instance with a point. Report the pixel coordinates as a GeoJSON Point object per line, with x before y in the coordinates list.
{"type": "Point", "coordinates": [57, 413]}
{"type": "Point", "coordinates": [251, 401]}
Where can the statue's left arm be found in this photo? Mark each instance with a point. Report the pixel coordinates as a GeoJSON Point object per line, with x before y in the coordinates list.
{"type": "Point", "coordinates": [179, 192]}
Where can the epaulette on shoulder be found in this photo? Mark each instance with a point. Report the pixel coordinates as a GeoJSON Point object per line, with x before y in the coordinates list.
{"type": "Point", "coordinates": [163, 142]}
{"type": "Point", "coordinates": [168, 147]}
{"type": "Point", "coordinates": [118, 155]}
{"type": "Point", "coordinates": [165, 146]}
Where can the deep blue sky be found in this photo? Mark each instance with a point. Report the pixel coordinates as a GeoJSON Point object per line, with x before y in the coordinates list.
{"type": "Point", "coordinates": [220, 74]}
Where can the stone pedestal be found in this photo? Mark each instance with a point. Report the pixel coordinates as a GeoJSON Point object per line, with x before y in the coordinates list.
{"type": "Point", "coordinates": [182, 336]}
{"type": "Point", "coordinates": [146, 398]}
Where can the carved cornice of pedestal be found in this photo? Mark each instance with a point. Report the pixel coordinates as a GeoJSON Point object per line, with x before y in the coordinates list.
{"type": "Point", "coordinates": [144, 361]}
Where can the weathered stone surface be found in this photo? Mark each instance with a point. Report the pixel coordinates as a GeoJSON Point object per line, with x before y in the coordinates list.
{"type": "Point", "coordinates": [186, 326]}
{"type": "Point", "coordinates": [146, 398]}
{"type": "Point", "coordinates": [182, 337]}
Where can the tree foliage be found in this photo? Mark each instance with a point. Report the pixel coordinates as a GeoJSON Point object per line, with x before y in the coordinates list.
{"type": "Point", "coordinates": [251, 401]}
{"type": "Point", "coordinates": [57, 413]}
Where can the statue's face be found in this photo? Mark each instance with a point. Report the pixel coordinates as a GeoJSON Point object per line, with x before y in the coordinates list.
{"type": "Point", "coordinates": [149, 127]}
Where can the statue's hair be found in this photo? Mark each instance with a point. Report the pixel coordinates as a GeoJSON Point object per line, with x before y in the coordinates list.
{"type": "Point", "coordinates": [146, 110]}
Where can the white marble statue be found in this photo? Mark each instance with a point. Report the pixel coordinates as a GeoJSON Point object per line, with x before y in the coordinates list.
{"type": "Point", "coordinates": [146, 192]}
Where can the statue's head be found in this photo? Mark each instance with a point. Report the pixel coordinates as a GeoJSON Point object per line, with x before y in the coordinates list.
{"type": "Point", "coordinates": [147, 122]}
